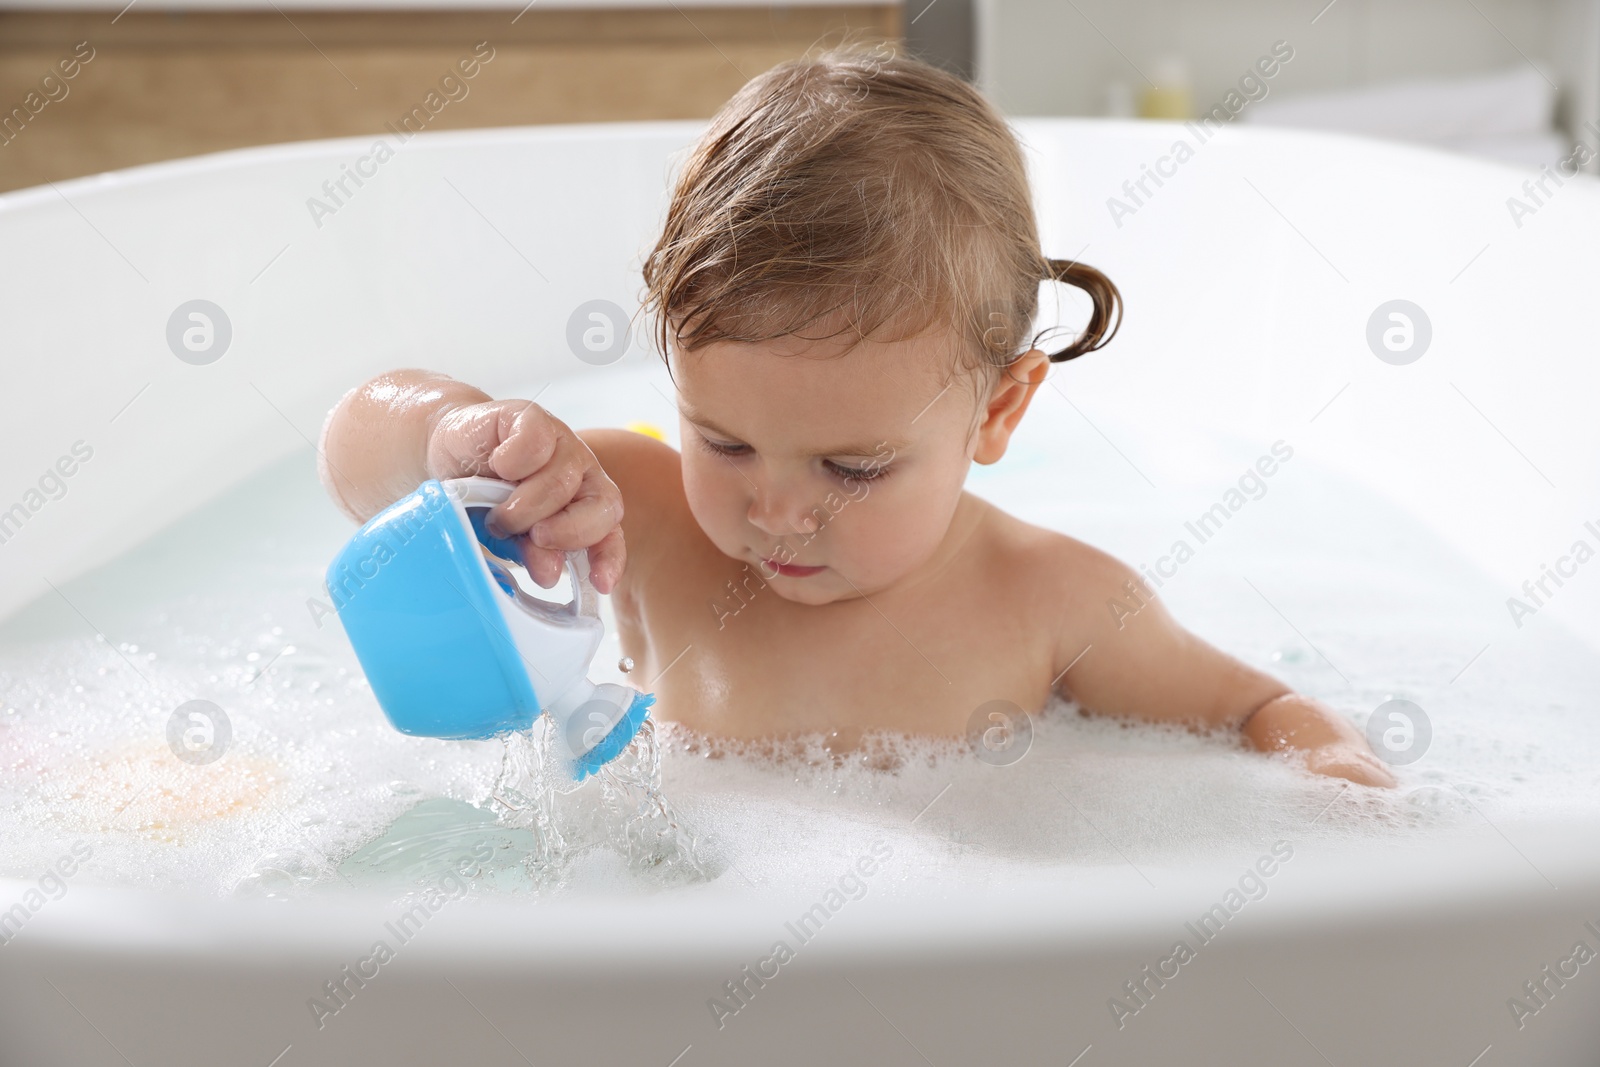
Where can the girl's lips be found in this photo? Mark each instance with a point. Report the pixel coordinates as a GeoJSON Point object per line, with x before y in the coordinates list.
{"type": "Point", "coordinates": [790, 570]}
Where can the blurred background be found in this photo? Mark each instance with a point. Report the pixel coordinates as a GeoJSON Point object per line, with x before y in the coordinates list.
{"type": "Point", "coordinates": [94, 85]}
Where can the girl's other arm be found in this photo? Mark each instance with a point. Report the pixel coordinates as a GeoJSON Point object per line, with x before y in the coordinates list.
{"type": "Point", "coordinates": [389, 435]}
{"type": "Point", "coordinates": [1141, 664]}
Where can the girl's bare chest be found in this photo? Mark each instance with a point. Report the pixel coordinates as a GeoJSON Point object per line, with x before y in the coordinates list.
{"type": "Point", "coordinates": [726, 655]}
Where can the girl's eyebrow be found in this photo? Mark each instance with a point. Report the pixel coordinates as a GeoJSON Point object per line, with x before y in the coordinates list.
{"type": "Point", "coordinates": [853, 448]}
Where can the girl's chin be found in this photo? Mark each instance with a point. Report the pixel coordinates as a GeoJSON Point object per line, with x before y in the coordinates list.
{"type": "Point", "coordinates": [809, 591]}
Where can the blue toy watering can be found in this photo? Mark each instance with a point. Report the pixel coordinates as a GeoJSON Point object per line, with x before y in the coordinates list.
{"type": "Point", "coordinates": [453, 648]}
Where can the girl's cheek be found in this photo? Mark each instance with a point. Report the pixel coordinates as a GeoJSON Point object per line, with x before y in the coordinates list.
{"type": "Point", "coordinates": [711, 502]}
{"type": "Point", "coordinates": [892, 532]}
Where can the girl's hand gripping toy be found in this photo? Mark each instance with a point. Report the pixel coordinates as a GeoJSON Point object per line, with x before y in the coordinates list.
{"type": "Point", "coordinates": [453, 648]}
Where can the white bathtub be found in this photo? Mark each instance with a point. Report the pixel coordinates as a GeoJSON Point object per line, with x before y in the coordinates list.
{"type": "Point", "coordinates": [1250, 277]}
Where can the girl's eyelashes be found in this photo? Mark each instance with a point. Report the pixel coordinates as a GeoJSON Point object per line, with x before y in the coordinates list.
{"type": "Point", "coordinates": [847, 473]}
{"type": "Point", "coordinates": [721, 450]}
{"type": "Point", "coordinates": [858, 474]}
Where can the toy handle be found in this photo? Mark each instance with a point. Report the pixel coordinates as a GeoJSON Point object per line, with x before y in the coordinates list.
{"type": "Point", "coordinates": [476, 495]}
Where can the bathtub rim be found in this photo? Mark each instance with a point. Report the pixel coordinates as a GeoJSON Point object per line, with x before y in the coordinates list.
{"type": "Point", "coordinates": [1440, 878]}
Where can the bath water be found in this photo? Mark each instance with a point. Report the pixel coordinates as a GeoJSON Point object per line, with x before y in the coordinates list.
{"type": "Point", "coordinates": [1333, 589]}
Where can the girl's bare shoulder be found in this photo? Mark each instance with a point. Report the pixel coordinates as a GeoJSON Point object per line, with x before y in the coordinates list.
{"type": "Point", "coordinates": [1067, 585]}
{"type": "Point", "coordinates": [1053, 559]}
{"type": "Point", "coordinates": [648, 472]}
{"type": "Point", "coordinates": [626, 454]}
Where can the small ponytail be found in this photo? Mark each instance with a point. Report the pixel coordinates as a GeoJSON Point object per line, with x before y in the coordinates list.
{"type": "Point", "coordinates": [1107, 302]}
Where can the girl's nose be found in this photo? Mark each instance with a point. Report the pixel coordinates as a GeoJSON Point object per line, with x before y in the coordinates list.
{"type": "Point", "coordinates": [781, 511]}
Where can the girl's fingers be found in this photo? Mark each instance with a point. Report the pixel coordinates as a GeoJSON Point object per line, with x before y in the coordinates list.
{"type": "Point", "coordinates": [544, 492]}
{"type": "Point", "coordinates": [606, 560]}
{"type": "Point", "coordinates": [583, 522]}
{"type": "Point", "coordinates": [461, 442]}
{"type": "Point", "coordinates": [1337, 761]}
{"type": "Point", "coordinates": [563, 499]}
{"type": "Point", "coordinates": [529, 439]}
{"type": "Point", "coordinates": [544, 564]}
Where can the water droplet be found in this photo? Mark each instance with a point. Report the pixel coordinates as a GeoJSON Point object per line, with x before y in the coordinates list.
{"type": "Point", "coordinates": [625, 664]}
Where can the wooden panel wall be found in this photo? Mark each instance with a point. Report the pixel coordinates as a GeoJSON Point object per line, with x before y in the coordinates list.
{"type": "Point", "coordinates": [159, 86]}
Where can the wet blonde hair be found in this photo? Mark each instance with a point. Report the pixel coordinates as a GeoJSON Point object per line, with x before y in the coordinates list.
{"type": "Point", "coordinates": [865, 187]}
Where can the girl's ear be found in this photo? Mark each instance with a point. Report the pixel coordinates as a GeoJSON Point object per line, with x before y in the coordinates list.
{"type": "Point", "coordinates": [1013, 390]}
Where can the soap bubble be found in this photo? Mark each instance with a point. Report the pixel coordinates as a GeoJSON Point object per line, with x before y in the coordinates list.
{"type": "Point", "coordinates": [283, 875]}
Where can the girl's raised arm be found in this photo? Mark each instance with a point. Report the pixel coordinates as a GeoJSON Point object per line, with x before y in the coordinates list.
{"type": "Point", "coordinates": [389, 435]}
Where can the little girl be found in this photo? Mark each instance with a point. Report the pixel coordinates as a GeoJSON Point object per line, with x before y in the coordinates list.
{"type": "Point", "coordinates": [848, 261]}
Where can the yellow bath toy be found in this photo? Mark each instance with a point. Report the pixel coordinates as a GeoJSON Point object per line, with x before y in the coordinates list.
{"type": "Point", "coordinates": [649, 430]}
